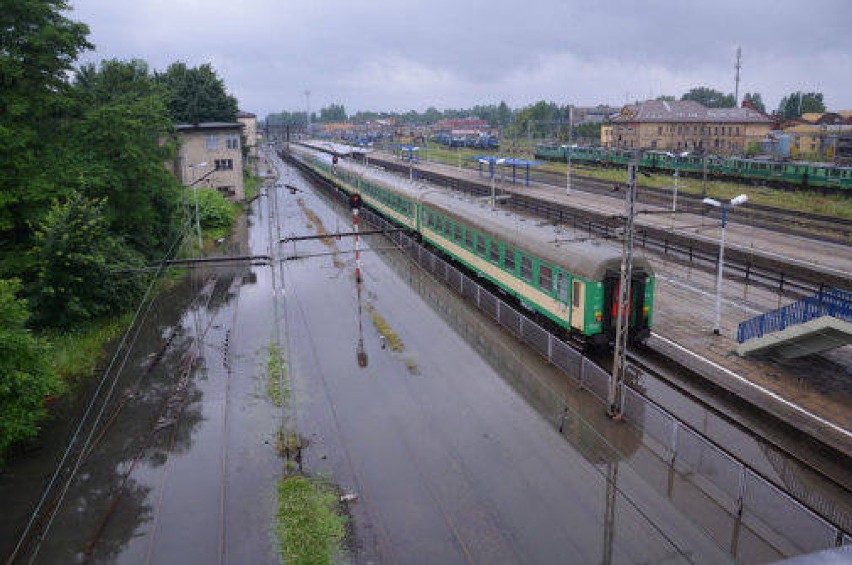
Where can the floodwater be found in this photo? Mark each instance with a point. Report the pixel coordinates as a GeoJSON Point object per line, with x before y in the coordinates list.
{"type": "Point", "coordinates": [461, 447]}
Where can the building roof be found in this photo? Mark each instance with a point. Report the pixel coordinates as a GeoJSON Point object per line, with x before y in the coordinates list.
{"type": "Point", "coordinates": [687, 111]}
{"type": "Point", "coordinates": [242, 114]}
{"type": "Point", "coordinates": [209, 126]}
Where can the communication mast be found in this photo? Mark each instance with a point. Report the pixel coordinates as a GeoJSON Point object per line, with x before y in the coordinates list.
{"type": "Point", "coordinates": [738, 66]}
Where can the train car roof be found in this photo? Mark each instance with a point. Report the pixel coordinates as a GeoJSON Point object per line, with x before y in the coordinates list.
{"type": "Point", "coordinates": [573, 252]}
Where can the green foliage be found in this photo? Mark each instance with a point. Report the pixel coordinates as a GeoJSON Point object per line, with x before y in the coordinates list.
{"type": "Point", "coordinates": [666, 98]}
{"type": "Point", "coordinates": [308, 528]}
{"type": "Point", "coordinates": [197, 95]}
{"type": "Point", "coordinates": [332, 113]}
{"type": "Point", "coordinates": [76, 258]}
{"type": "Point", "coordinates": [38, 45]}
{"type": "Point", "coordinates": [214, 210]}
{"type": "Point", "coordinates": [75, 353]}
{"type": "Point", "coordinates": [752, 149]}
{"type": "Point", "coordinates": [25, 376]}
{"type": "Point", "coordinates": [710, 98]}
{"type": "Point", "coordinates": [755, 100]}
{"type": "Point", "coordinates": [590, 131]}
{"type": "Point", "coordinates": [797, 103]}
{"type": "Point", "coordinates": [277, 387]}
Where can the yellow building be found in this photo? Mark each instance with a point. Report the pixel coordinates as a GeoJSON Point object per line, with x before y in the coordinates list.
{"type": "Point", "coordinates": [606, 136]}
{"type": "Point", "coordinates": [210, 155]}
{"type": "Point", "coordinates": [249, 122]}
{"type": "Point", "coordinates": [688, 126]}
{"type": "Point", "coordinates": [817, 142]}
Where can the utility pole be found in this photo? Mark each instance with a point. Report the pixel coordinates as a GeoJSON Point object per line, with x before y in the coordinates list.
{"type": "Point", "coordinates": [738, 66]}
{"type": "Point", "coordinates": [619, 359]}
{"type": "Point", "coordinates": [308, 110]}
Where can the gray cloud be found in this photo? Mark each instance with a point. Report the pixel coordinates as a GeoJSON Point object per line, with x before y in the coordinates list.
{"type": "Point", "coordinates": [385, 54]}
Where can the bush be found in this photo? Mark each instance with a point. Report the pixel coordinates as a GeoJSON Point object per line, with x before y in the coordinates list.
{"type": "Point", "coordinates": [215, 211]}
{"type": "Point", "coordinates": [25, 376]}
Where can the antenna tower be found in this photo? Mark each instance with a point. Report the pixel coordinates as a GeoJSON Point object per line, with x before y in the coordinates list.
{"type": "Point", "coordinates": [738, 66]}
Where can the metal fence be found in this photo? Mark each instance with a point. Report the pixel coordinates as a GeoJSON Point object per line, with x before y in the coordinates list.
{"type": "Point", "coordinates": [831, 302]}
{"type": "Point", "coordinates": [753, 501]}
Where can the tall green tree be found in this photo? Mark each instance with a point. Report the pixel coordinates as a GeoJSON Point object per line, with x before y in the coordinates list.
{"type": "Point", "coordinates": [333, 113]}
{"type": "Point", "coordinates": [78, 262]}
{"type": "Point", "coordinates": [116, 148]}
{"type": "Point", "coordinates": [197, 94]}
{"type": "Point", "coordinates": [25, 376]}
{"type": "Point", "coordinates": [38, 45]}
{"type": "Point", "coordinates": [504, 115]}
{"type": "Point", "coordinates": [755, 100]}
{"type": "Point", "coordinates": [710, 97]}
{"type": "Point", "coordinates": [797, 103]}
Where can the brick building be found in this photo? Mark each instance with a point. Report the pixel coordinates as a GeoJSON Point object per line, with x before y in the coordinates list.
{"type": "Point", "coordinates": [688, 126]}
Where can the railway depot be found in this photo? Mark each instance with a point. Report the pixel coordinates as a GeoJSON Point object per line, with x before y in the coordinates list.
{"type": "Point", "coordinates": [683, 311]}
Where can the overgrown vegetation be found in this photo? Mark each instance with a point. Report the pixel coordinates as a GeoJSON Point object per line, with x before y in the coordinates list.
{"type": "Point", "coordinates": [308, 526]}
{"type": "Point", "coordinates": [85, 200]}
{"type": "Point", "coordinates": [252, 184]}
{"type": "Point", "coordinates": [277, 388]}
{"type": "Point", "coordinates": [75, 353]}
{"type": "Point", "coordinates": [382, 326]}
{"type": "Point", "coordinates": [25, 376]}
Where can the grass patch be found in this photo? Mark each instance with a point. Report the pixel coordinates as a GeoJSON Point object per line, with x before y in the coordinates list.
{"type": "Point", "coordinates": [307, 524]}
{"type": "Point", "coordinates": [411, 366]}
{"type": "Point", "coordinates": [251, 184]}
{"type": "Point", "coordinates": [382, 326]}
{"type": "Point", "coordinates": [276, 376]}
{"type": "Point", "coordinates": [75, 354]}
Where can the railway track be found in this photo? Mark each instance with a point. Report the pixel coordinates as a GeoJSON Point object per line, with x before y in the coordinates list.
{"type": "Point", "coordinates": [789, 278]}
{"type": "Point", "coordinates": [792, 222]}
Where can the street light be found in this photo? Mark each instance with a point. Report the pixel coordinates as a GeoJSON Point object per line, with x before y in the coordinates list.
{"type": "Point", "coordinates": [195, 194]}
{"type": "Point", "coordinates": [725, 206]}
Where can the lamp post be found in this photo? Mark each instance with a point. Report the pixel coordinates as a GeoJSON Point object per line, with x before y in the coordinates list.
{"type": "Point", "coordinates": [195, 195]}
{"type": "Point", "coordinates": [725, 206]}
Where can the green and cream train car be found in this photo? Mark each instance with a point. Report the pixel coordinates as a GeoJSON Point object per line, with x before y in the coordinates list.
{"type": "Point", "coordinates": [573, 283]}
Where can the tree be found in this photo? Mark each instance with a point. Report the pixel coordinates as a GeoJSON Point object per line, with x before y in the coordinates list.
{"type": "Point", "coordinates": [755, 100]}
{"type": "Point", "coordinates": [797, 103]}
{"type": "Point", "coordinates": [666, 98]}
{"type": "Point", "coordinates": [333, 113]}
{"type": "Point", "coordinates": [197, 95]}
{"type": "Point", "coordinates": [25, 376]}
{"type": "Point", "coordinates": [710, 98]}
{"type": "Point", "coordinates": [115, 151]}
{"type": "Point", "coordinates": [38, 45]}
{"type": "Point", "coordinates": [78, 259]}
{"type": "Point", "coordinates": [504, 115]}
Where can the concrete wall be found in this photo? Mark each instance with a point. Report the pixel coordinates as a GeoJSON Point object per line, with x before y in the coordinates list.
{"type": "Point", "coordinates": [220, 147]}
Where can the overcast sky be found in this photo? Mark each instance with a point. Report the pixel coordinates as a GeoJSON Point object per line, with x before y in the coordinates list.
{"type": "Point", "coordinates": [402, 54]}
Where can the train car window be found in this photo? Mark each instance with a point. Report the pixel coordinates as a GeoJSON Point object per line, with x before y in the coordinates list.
{"type": "Point", "coordinates": [495, 252]}
{"type": "Point", "coordinates": [481, 246]}
{"type": "Point", "coordinates": [468, 238]}
{"type": "Point", "coordinates": [458, 233]}
{"type": "Point", "coordinates": [509, 259]}
{"type": "Point", "coordinates": [526, 268]}
{"type": "Point", "coordinates": [448, 227]}
{"type": "Point", "coordinates": [575, 292]}
{"type": "Point", "coordinates": [545, 278]}
{"type": "Point", "coordinates": [562, 287]}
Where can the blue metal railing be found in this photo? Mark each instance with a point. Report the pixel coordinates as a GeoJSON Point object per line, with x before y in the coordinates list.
{"type": "Point", "coordinates": [832, 302]}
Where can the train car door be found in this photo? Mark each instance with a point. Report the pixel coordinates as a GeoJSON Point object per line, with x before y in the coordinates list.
{"type": "Point", "coordinates": [578, 302]}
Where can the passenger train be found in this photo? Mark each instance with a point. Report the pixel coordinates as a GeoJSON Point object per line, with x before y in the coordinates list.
{"type": "Point", "coordinates": [571, 282]}
{"type": "Point", "coordinates": [796, 174]}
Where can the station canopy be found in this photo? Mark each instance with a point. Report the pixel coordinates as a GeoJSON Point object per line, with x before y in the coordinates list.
{"type": "Point", "coordinates": [493, 160]}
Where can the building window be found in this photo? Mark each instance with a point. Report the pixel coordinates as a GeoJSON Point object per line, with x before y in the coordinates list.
{"type": "Point", "coordinates": [738, 130]}
{"type": "Point", "coordinates": [660, 130]}
{"type": "Point", "coordinates": [224, 164]}
{"type": "Point", "coordinates": [211, 142]}
{"type": "Point", "coordinates": [232, 142]}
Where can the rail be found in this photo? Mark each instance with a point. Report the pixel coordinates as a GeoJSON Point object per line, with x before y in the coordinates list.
{"type": "Point", "coordinates": [758, 506]}
{"type": "Point", "coordinates": [832, 302]}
